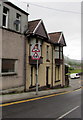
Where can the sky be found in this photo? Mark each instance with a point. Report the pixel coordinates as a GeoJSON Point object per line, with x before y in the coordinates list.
{"type": "Point", "coordinates": [58, 15]}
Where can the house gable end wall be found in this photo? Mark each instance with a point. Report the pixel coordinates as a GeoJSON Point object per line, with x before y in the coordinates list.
{"type": "Point", "coordinates": [41, 31]}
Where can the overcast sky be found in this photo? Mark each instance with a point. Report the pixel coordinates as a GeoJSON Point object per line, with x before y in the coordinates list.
{"type": "Point", "coordinates": [58, 15]}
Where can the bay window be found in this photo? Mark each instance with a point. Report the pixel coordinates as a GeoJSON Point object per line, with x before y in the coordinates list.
{"type": "Point", "coordinates": [58, 52]}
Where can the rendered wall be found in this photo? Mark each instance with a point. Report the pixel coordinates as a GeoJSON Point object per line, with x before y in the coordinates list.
{"type": "Point", "coordinates": [13, 48]}
{"type": "Point", "coordinates": [12, 17]}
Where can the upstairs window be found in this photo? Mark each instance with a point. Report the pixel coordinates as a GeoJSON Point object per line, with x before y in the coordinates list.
{"type": "Point", "coordinates": [59, 52]}
{"type": "Point", "coordinates": [17, 22]}
{"type": "Point", "coordinates": [47, 53]}
{"type": "Point", "coordinates": [5, 17]}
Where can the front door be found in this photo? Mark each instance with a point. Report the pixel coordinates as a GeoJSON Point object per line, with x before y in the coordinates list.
{"type": "Point", "coordinates": [31, 76]}
{"type": "Point", "coordinates": [47, 77]}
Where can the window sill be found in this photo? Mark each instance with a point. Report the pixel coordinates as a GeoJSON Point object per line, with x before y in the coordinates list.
{"type": "Point", "coordinates": [57, 81]}
{"type": "Point", "coordinates": [8, 74]}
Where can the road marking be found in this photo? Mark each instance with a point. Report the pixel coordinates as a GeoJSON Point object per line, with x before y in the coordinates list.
{"type": "Point", "coordinates": [67, 113]}
{"type": "Point", "coordinates": [38, 98]}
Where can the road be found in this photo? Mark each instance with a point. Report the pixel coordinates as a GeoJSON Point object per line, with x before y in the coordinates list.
{"type": "Point", "coordinates": [66, 105]}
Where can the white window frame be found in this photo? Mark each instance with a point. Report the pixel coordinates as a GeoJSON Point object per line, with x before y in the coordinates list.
{"type": "Point", "coordinates": [6, 17]}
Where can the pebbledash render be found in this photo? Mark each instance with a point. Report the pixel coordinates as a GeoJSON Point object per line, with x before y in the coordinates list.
{"type": "Point", "coordinates": [13, 23]}
{"type": "Point", "coordinates": [17, 40]}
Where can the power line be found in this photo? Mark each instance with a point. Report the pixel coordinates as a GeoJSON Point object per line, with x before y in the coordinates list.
{"type": "Point", "coordinates": [59, 10]}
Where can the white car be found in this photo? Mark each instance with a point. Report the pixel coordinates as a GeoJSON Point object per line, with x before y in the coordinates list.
{"type": "Point", "coordinates": [74, 75]}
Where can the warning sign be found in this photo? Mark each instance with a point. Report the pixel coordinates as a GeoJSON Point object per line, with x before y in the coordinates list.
{"type": "Point", "coordinates": [35, 49]}
{"type": "Point", "coordinates": [35, 52]}
{"type": "Point", "coordinates": [35, 56]}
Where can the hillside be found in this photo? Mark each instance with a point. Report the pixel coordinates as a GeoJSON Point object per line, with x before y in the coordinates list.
{"type": "Point", "coordinates": [67, 59]}
{"type": "Point", "coordinates": [72, 62]}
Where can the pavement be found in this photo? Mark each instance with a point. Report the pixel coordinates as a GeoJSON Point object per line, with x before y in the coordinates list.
{"type": "Point", "coordinates": [74, 84]}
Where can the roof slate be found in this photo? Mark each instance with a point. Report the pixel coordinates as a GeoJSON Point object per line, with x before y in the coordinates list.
{"type": "Point", "coordinates": [54, 37]}
{"type": "Point", "coordinates": [32, 25]}
{"type": "Point", "coordinates": [57, 38]}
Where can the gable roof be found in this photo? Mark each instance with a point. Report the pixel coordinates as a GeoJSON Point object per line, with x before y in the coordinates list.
{"type": "Point", "coordinates": [57, 38]}
{"type": "Point", "coordinates": [32, 25]}
{"type": "Point", "coordinates": [37, 27]}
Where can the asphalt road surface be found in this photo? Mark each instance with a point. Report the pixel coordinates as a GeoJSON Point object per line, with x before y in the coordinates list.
{"type": "Point", "coordinates": [67, 105]}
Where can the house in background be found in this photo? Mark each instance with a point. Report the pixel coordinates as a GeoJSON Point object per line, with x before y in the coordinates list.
{"type": "Point", "coordinates": [58, 42]}
{"type": "Point", "coordinates": [13, 22]}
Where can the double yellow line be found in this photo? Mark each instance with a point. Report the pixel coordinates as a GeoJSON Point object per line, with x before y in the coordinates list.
{"type": "Point", "coordinates": [38, 98]}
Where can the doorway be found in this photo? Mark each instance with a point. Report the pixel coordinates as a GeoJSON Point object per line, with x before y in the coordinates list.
{"type": "Point", "coordinates": [47, 76]}
{"type": "Point", "coordinates": [31, 76]}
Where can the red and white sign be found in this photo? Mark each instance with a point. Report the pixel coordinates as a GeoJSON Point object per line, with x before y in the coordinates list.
{"type": "Point", "coordinates": [35, 49]}
{"type": "Point", "coordinates": [35, 53]}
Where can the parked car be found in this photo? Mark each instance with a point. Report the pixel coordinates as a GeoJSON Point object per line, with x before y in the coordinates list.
{"type": "Point", "coordinates": [74, 75]}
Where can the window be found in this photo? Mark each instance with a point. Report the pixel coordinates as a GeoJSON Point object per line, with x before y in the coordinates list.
{"type": "Point", "coordinates": [57, 73]}
{"type": "Point", "coordinates": [5, 17]}
{"type": "Point", "coordinates": [47, 53]}
{"type": "Point", "coordinates": [30, 49]}
{"type": "Point", "coordinates": [41, 49]}
{"type": "Point", "coordinates": [8, 65]}
{"type": "Point", "coordinates": [17, 22]}
{"type": "Point", "coordinates": [59, 52]}
{"type": "Point", "coordinates": [36, 40]}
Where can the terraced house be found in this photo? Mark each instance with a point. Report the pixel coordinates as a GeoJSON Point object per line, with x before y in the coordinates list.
{"type": "Point", "coordinates": [51, 62]}
{"type": "Point", "coordinates": [19, 39]}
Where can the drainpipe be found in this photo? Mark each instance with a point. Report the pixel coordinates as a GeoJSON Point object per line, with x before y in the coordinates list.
{"type": "Point", "coordinates": [52, 69]}
{"type": "Point", "coordinates": [24, 63]}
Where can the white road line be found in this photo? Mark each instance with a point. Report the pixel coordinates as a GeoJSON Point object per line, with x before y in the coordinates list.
{"type": "Point", "coordinates": [67, 113]}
